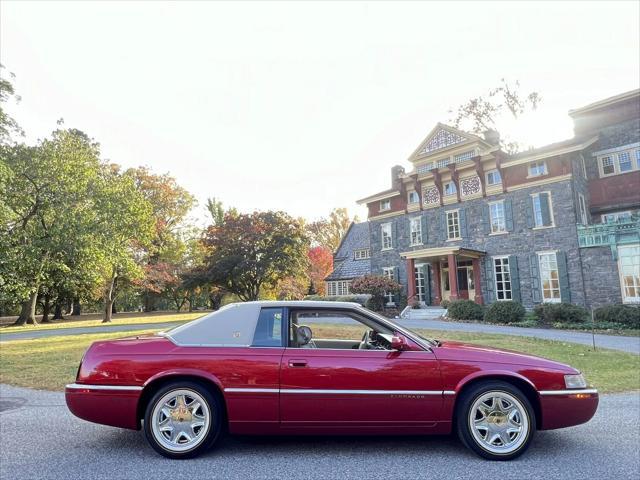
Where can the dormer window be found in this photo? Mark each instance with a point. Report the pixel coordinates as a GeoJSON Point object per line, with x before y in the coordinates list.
{"type": "Point", "coordinates": [362, 254]}
{"type": "Point", "coordinates": [493, 177]}
{"type": "Point", "coordinates": [413, 197]}
{"type": "Point", "coordinates": [537, 169]}
{"type": "Point", "coordinates": [449, 188]}
{"type": "Point", "coordinates": [385, 205]}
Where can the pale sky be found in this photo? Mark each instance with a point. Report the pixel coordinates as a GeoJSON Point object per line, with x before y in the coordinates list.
{"type": "Point", "coordinates": [301, 107]}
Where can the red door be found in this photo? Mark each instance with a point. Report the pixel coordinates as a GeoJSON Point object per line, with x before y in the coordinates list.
{"type": "Point", "coordinates": [359, 391]}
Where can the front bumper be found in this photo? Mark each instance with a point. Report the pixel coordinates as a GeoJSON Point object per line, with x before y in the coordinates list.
{"type": "Point", "coordinates": [566, 408]}
{"type": "Point", "coordinates": [112, 405]}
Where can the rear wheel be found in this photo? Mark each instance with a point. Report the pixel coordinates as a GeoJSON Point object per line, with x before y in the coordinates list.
{"type": "Point", "coordinates": [495, 420]}
{"type": "Point", "coordinates": [182, 420]}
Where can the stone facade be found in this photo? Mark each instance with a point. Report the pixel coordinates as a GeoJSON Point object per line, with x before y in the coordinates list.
{"type": "Point", "coordinates": [586, 258]}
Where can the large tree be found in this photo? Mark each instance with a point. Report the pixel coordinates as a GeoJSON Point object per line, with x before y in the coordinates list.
{"type": "Point", "coordinates": [47, 205]}
{"type": "Point", "coordinates": [320, 265]}
{"type": "Point", "coordinates": [328, 232]}
{"type": "Point", "coordinates": [249, 252]}
{"type": "Point", "coordinates": [8, 125]}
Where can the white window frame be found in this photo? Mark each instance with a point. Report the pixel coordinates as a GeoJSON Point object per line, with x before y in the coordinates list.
{"type": "Point", "coordinates": [582, 206]}
{"type": "Point", "coordinates": [453, 227]}
{"type": "Point", "coordinates": [389, 272]}
{"type": "Point", "coordinates": [453, 187]}
{"type": "Point", "coordinates": [385, 205]}
{"type": "Point", "coordinates": [542, 271]}
{"type": "Point", "coordinates": [536, 196]}
{"type": "Point", "coordinates": [538, 173]}
{"type": "Point", "coordinates": [614, 157]}
{"type": "Point", "coordinates": [616, 216]}
{"type": "Point", "coordinates": [414, 194]}
{"type": "Point", "coordinates": [502, 222]}
{"type": "Point", "coordinates": [635, 281]}
{"type": "Point", "coordinates": [494, 171]}
{"type": "Point", "coordinates": [331, 288]}
{"type": "Point", "coordinates": [362, 254]}
{"type": "Point", "coordinates": [583, 165]}
{"type": "Point", "coordinates": [506, 292]}
{"type": "Point", "coordinates": [415, 231]}
{"type": "Point", "coordinates": [387, 240]}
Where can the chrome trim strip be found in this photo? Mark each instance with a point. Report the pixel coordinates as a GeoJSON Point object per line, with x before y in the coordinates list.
{"type": "Point", "coordinates": [252, 390]}
{"type": "Point", "coordinates": [79, 386]}
{"type": "Point", "coordinates": [568, 392]}
{"type": "Point", "coordinates": [362, 392]}
{"type": "Point", "coordinates": [449, 392]}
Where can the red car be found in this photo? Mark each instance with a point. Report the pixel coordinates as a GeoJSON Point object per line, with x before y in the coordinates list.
{"type": "Point", "coordinates": [266, 368]}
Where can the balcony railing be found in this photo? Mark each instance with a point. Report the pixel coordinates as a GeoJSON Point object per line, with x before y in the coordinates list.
{"type": "Point", "coordinates": [607, 234]}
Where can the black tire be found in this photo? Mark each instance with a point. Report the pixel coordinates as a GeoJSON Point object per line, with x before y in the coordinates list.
{"type": "Point", "coordinates": [209, 438]}
{"type": "Point", "coordinates": [463, 411]}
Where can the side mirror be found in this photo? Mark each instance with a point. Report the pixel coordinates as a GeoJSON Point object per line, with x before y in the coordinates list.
{"type": "Point", "coordinates": [398, 343]}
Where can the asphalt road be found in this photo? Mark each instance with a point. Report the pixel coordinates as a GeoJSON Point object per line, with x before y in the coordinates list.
{"type": "Point", "coordinates": [41, 439]}
{"type": "Point", "coordinates": [615, 342]}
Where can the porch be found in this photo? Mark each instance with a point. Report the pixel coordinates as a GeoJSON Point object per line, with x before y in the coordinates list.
{"type": "Point", "coordinates": [453, 272]}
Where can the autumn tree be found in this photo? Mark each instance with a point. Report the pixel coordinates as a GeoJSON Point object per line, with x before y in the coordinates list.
{"type": "Point", "coordinates": [249, 252]}
{"type": "Point", "coordinates": [377, 286]}
{"type": "Point", "coordinates": [320, 265]}
{"type": "Point", "coordinates": [482, 113]}
{"type": "Point", "coordinates": [328, 232]}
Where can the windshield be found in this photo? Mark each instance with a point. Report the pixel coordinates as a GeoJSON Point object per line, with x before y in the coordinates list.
{"type": "Point", "coordinates": [411, 333]}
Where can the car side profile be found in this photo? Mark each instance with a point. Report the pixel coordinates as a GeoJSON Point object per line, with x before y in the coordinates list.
{"type": "Point", "coordinates": [321, 368]}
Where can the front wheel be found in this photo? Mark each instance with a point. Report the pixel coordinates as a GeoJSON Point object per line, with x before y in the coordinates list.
{"type": "Point", "coordinates": [495, 420]}
{"type": "Point", "coordinates": [182, 420]}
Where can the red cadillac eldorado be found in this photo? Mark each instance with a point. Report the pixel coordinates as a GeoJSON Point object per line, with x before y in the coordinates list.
{"type": "Point", "coordinates": [321, 368]}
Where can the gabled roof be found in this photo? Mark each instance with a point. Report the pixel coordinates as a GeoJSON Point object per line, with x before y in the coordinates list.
{"type": "Point", "coordinates": [441, 138]}
{"type": "Point", "coordinates": [622, 97]}
{"type": "Point", "coordinates": [345, 266]}
{"type": "Point", "coordinates": [551, 150]}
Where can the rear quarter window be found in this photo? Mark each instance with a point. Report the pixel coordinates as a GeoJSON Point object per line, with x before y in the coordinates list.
{"type": "Point", "coordinates": [269, 328]}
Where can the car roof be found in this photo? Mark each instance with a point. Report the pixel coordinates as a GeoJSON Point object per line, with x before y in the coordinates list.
{"type": "Point", "coordinates": [301, 303]}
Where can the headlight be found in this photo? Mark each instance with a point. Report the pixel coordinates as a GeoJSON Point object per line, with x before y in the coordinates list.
{"type": "Point", "coordinates": [575, 381]}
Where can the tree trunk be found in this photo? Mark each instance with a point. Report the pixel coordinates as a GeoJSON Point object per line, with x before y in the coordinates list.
{"type": "Point", "coordinates": [69, 308]}
{"type": "Point", "coordinates": [76, 307]}
{"type": "Point", "coordinates": [57, 311]}
{"type": "Point", "coordinates": [28, 311]}
{"type": "Point", "coordinates": [109, 297]}
{"type": "Point", "coordinates": [113, 308]}
{"type": "Point", "coordinates": [46, 308]}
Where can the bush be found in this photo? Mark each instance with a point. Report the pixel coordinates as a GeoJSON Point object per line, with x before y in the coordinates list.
{"type": "Point", "coordinates": [376, 286]}
{"type": "Point", "coordinates": [361, 299]}
{"type": "Point", "coordinates": [505, 312]}
{"type": "Point", "coordinates": [445, 303]}
{"type": "Point", "coordinates": [626, 315]}
{"type": "Point", "coordinates": [551, 313]}
{"type": "Point", "coordinates": [465, 310]}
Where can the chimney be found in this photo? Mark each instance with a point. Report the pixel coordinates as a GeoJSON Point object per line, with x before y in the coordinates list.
{"type": "Point", "coordinates": [492, 136]}
{"type": "Point", "coordinates": [396, 172]}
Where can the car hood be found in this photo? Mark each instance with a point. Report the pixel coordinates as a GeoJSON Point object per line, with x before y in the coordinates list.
{"type": "Point", "coordinates": [458, 351]}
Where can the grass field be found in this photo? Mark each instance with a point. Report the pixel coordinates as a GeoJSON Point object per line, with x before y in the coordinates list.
{"type": "Point", "coordinates": [50, 363]}
{"type": "Point", "coordinates": [132, 318]}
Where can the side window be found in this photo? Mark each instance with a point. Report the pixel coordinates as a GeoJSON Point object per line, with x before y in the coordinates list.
{"type": "Point", "coordinates": [269, 328]}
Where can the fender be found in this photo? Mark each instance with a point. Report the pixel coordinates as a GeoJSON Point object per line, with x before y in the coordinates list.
{"type": "Point", "coordinates": [491, 373]}
{"type": "Point", "coordinates": [194, 372]}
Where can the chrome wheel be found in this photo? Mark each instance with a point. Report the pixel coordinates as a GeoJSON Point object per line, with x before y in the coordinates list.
{"type": "Point", "coordinates": [181, 420]}
{"type": "Point", "coordinates": [499, 422]}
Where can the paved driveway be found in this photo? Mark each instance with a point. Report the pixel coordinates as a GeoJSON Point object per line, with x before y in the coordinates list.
{"type": "Point", "coordinates": [41, 439]}
{"type": "Point", "coordinates": [615, 342]}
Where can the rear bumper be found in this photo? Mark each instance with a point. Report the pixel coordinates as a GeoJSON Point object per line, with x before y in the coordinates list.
{"type": "Point", "coordinates": [105, 404]}
{"type": "Point", "coordinates": [566, 408]}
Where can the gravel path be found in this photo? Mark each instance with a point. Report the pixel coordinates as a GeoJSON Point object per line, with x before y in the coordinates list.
{"type": "Point", "coordinates": [42, 440]}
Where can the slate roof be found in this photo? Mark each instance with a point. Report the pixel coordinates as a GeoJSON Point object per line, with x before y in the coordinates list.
{"type": "Point", "coordinates": [552, 147]}
{"type": "Point", "coordinates": [345, 267]}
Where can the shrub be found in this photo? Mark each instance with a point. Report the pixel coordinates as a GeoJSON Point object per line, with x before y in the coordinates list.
{"type": "Point", "coordinates": [550, 313]}
{"type": "Point", "coordinates": [626, 315]}
{"type": "Point", "coordinates": [445, 303]}
{"type": "Point", "coordinates": [505, 312]}
{"type": "Point", "coordinates": [376, 286]}
{"type": "Point", "coordinates": [465, 310]}
{"type": "Point", "coordinates": [361, 299]}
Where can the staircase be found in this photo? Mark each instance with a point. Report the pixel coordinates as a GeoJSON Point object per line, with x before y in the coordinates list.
{"type": "Point", "coordinates": [424, 313]}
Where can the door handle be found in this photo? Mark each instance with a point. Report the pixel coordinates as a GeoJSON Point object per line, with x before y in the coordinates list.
{"type": "Point", "coordinates": [297, 363]}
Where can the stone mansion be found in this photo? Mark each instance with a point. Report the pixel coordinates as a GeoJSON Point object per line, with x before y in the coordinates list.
{"type": "Point", "coordinates": [558, 223]}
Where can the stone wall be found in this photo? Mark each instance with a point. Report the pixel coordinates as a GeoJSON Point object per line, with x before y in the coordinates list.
{"type": "Point", "coordinates": [601, 279]}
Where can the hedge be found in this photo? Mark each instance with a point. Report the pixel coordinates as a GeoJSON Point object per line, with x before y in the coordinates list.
{"type": "Point", "coordinates": [551, 313]}
{"type": "Point", "coordinates": [505, 312]}
{"type": "Point", "coordinates": [465, 310]}
{"type": "Point", "coordinates": [626, 315]}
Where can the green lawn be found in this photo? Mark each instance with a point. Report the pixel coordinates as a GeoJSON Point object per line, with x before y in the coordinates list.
{"type": "Point", "coordinates": [118, 319]}
{"type": "Point", "coordinates": [50, 363]}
